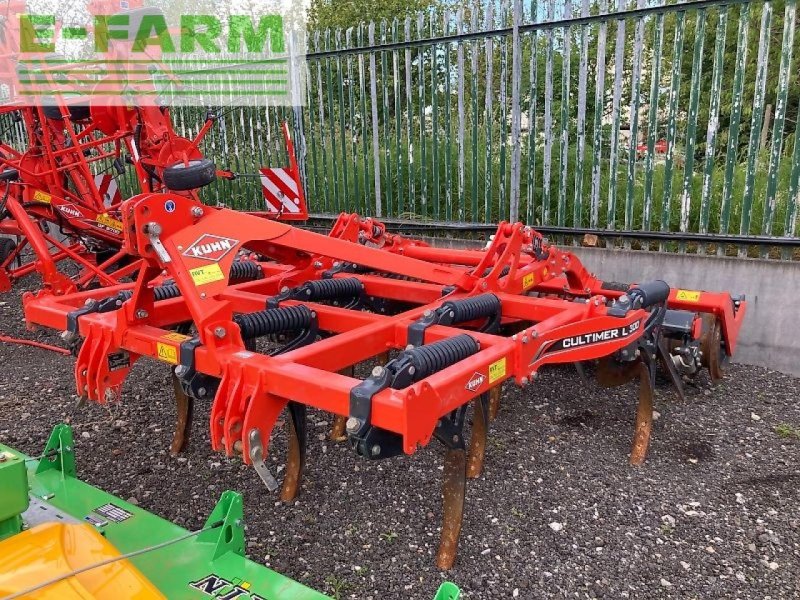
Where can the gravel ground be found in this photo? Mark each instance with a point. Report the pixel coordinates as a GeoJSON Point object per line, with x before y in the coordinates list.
{"type": "Point", "coordinates": [713, 513]}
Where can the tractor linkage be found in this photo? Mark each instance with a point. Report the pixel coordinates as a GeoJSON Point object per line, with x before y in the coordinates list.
{"type": "Point", "coordinates": [256, 316]}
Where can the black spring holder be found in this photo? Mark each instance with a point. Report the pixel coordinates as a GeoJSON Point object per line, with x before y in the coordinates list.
{"type": "Point", "coordinates": [409, 367]}
{"type": "Point", "coordinates": [346, 292]}
{"type": "Point", "coordinates": [104, 305]}
{"type": "Point", "coordinates": [453, 312]}
{"type": "Point", "coordinates": [272, 321]}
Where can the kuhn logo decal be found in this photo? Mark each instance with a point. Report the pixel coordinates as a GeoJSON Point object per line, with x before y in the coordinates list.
{"type": "Point", "coordinates": [70, 211]}
{"type": "Point", "coordinates": [475, 381]}
{"type": "Point", "coordinates": [222, 589]}
{"type": "Point", "coordinates": [211, 247]}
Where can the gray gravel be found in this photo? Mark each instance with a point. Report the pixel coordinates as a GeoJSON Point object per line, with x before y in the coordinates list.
{"type": "Point", "coordinates": [713, 513]}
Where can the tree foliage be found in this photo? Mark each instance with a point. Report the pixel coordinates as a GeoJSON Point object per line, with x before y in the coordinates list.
{"type": "Point", "coordinates": [342, 14]}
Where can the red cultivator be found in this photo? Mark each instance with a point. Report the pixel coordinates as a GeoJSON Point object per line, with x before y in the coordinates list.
{"type": "Point", "coordinates": [280, 317]}
{"type": "Point", "coordinates": [61, 181]}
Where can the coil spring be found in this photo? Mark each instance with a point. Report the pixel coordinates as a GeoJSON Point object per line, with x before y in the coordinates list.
{"type": "Point", "coordinates": [245, 270]}
{"type": "Point", "coordinates": [615, 286]}
{"type": "Point", "coordinates": [273, 320]}
{"type": "Point", "coordinates": [434, 357]}
{"type": "Point", "coordinates": [161, 292]}
{"type": "Point", "coordinates": [387, 275]}
{"type": "Point", "coordinates": [503, 272]}
{"type": "Point", "coordinates": [329, 289]}
{"type": "Point", "coordinates": [470, 309]}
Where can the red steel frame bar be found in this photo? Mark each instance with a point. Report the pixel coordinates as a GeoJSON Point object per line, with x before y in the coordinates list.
{"type": "Point", "coordinates": [301, 374]}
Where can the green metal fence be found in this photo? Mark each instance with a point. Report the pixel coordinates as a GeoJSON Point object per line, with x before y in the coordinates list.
{"type": "Point", "coordinates": [634, 117]}
{"type": "Point", "coordinates": [641, 118]}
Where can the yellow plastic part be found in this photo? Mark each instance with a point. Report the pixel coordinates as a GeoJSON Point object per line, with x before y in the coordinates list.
{"type": "Point", "coordinates": [50, 550]}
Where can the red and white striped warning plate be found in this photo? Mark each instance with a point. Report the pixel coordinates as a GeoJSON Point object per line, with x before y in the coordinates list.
{"type": "Point", "coordinates": [282, 192]}
{"type": "Point", "coordinates": [109, 191]}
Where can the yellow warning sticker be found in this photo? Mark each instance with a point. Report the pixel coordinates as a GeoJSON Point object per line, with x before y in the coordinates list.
{"type": "Point", "coordinates": [688, 296]}
{"type": "Point", "coordinates": [175, 337]}
{"type": "Point", "coordinates": [528, 281]}
{"type": "Point", "coordinates": [167, 353]}
{"type": "Point", "coordinates": [109, 222]}
{"type": "Point", "coordinates": [206, 274]}
{"type": "Point", "coordinates": [40, 196]}
{"type": "Point", "coordinates": [497, 370]}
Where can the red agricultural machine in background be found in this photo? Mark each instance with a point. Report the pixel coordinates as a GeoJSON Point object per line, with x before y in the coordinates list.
{"type": "Point", "coordinates": [58, 194]}
{"type": "Point", "coordinates": [61, 181]}
{"type": "Point", "coordinates": [280, 317]}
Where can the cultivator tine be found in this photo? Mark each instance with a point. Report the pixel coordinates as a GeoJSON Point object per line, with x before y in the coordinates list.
{"type": "Point", "coordinates": [454, 487]}
{"type": "Point", "coordinates": [644, 413]}
{"type": "Point", "coordinates": [338, 429]}
{"type": "Point", "coordinates": [296, 456]}
{"type": "Point", "coordinates": [183, 425]}
{"type": "Point", "coordinates": [666, 363]}
{"type": "Point", "coordinates": [477, 442]}
{"type": "Point", "coordinates": [338, 432]}
{"type": "Point", "coordinates": [581, 370]}
{"type": "Point", "coordinates": [610, 373]}
{"type": "Point", "coordinates": [494, 402]}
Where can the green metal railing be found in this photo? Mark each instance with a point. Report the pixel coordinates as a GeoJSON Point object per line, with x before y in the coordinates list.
{"type": "Point", "coordinates": [633, 117]}
{"type": "Point", "coordinates": [636, 117]}
{"type": "Point", "coordinates": [625, 116]}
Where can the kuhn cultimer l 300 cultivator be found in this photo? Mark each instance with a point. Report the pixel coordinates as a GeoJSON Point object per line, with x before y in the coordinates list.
{"type": "Point", "coordinates": [443, 328]}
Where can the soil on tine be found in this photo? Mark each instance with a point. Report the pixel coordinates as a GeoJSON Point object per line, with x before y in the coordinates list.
{"type": "Point", "coordinates": [558, 511]}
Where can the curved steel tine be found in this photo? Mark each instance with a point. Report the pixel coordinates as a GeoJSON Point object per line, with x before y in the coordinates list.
{"type": "Point", "coordinates": [477, 442]}
{"type": "Point", "coordinates": [644, 415]}
{"type": "Point", "coordinates": [669, 366]}
{"type": "Point", "coordinates": [339, 421]}
{"type": "Point", "coordinates": [494, 402]}
{"type": "Point", "coordinates": [296, 456]}
{"type": "Point", "coordinates": [610, 374]}
{"type": "Point", "coordinates": [581, 370]}
{"type": "Point", "coordinates": [183, 423]}
{"type": "Point", "coordinates": [453, 490]}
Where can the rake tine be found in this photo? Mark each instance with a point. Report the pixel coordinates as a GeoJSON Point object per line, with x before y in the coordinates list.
{"type": "Point", "coordinates": [453, 490]}
{"type": "Point", "coordinates": [494, 402]}
{"type": "Point", "coordinates": [296, 456]}
{"type": "Point", "coordinates": [477, 443]}
{"type": "Point", "coordinates": [644, 416]}
{"type": "Point", "coordinates": [183, 424]}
